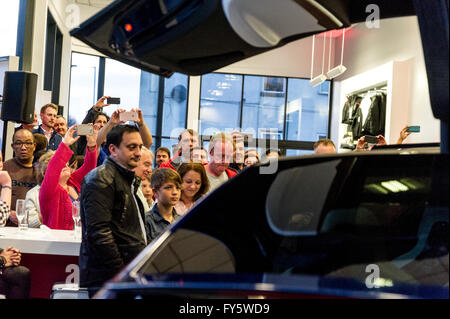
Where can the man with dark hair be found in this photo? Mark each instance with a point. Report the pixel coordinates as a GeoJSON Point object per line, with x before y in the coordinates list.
{"type": "Point", "coordinates": [21, 169]}
{"type": "Point", "coordinates": [112, 215]}
{"type": "Point", "coordinates": [112, 122]}
{"type": "Point", "coordinates": [324, 146]}
{"type": "Point", "coordinates": [48, 117]}
{"type": "Point", "coordinates": [162, 155]}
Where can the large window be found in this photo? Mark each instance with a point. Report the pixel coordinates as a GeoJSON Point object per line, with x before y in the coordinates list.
{"type": "Point", "coordinates": [163, 101]}
{"type": "Point", "coordinates": [220, 102]}
{"type": "Point", "coordinates": [53, 56]}
{"type": "Point", "coordinates": [83, 85]}
{"type": "Point", "coordinates": [288, 110]}
{"type": "Point", "coordinates": [263, 106]}
{"type": "Point", "coordinates": [9, 17]}
{"type": "Point", "coordinates": [307, 111]}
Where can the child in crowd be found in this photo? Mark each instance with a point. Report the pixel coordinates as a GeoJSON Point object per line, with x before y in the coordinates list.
{"type": "Point", "coordinates": [147, 190]}
{"type": "Point", "coordinates": [195, 185]}
{"type": "Point", "coordinates": [166, 185]}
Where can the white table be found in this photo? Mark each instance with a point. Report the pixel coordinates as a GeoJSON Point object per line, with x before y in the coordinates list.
{"type": "Point", "coordinates": [39, 241]}
{"type": "Point", "coordinates": [46, 252]}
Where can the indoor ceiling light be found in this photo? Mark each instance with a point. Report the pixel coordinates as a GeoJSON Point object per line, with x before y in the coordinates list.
{"type": "Point", "coordinates": [395, 186]}
{"type": "Point", "coordinates": [320, 78]}
{"type": "Point", "coordinates": [375, 188]}
{"type": "Point", "coordinates": [336, 71]}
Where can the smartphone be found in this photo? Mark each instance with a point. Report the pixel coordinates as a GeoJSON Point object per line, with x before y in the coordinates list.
{"type": "Point", "coordinates": [85, 129]}
{"type": "Point", "coordinates": [371, 139]}
{"type": "Point", "coordinates": [414, 129]}
{"type": "Point", "coordinates": [113, 100]}
{"type": "Point", "coordinates": [128, 116]}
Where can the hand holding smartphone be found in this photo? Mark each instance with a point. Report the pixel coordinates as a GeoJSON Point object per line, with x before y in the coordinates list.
{"type": "Point", "coordinates": [113, 100]}
{"type": "Point", "coordinates": [371, 139]}
{"type": "Point", "coordinates": [85, 129]}
{"type": "Point", "coordinates": [413, 129]}
{"type": "Point", "coordinates": [129, 116]}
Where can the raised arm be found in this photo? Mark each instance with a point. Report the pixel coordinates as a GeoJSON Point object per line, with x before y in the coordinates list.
{"type": "Point", "coordinates": [403, 135]}
{"type": "Point", "coordinates": [143, 129]}
{"type": "Point", "coordinates": [89, 118]}
{"type": "Point", "coordinates": [90, 159]}
{"type": "Point", "coordinates": [56, 164]}
{"type": "Point", "coordinates": [95, 109]}
{"type": "Point", "coordinates": [113, 121]}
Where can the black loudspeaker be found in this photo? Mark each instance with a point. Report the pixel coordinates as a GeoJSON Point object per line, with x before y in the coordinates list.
{"type": "Point", "coordinates": [60, 110]}
{"type": "Point", "coordinates": [19, 96]}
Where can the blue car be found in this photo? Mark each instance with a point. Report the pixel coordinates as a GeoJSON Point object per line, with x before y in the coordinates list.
{"type": "Point", "coordinates": [355, 225]}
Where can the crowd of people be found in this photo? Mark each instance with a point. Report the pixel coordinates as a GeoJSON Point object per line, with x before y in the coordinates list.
{"type": "Point", "coordinates": [127, 195]}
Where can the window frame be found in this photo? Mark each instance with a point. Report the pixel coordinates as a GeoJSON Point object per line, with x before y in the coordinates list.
{"type": "Point", "coordinates": [283, 144]}
{"type": "Point", "coordinates": [157, 138]}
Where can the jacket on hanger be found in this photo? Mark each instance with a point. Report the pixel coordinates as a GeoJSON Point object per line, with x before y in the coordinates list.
{"type": "Point", "coordinates": [376, 117]}
{"type": "Point", "coordinates": [352, 115]}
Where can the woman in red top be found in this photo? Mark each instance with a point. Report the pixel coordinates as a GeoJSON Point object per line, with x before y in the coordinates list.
{"type": "Point", "coordinates": [61, 186]}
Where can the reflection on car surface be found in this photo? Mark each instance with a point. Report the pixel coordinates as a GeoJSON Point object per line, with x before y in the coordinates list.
{"type": "Point", "coordinates": [335, 225]}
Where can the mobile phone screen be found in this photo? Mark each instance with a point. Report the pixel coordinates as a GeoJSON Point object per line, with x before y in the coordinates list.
{"type": "Point", "coordinates": [113, 100]}
{"type": "Point", "coordinates": [371, 139]}
{"type": "Point", "coordinates": [413, 129]}
{"type": "Point", "coordinates": [128, 116]}
{"type": "Point", "coordinates": [85, 129]}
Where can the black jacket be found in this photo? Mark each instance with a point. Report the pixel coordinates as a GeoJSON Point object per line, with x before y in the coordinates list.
{"type": "Point", "coordinates": [376, 117]}
{"type": "Point", "coordinates": [55, 139]}
{"type": "Point", "coordinates": [111, 231]}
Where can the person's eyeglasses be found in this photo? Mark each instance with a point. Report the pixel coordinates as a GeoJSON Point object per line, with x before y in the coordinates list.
{"type": "Point", "coordinates": [27, 144]}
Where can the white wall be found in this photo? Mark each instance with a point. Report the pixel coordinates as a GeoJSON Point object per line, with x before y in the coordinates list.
{"type": "Point", "coordinates": [38, 51]}
{"type": "Point", "coordinates": [85, 13]}
{"type": "Point", "coordinates": [10, 64]}
{"type": "Point", "coordinates": [396, 75]}
{"type": "Point", "coordinates": [291, 60]}
{"type": "Point", "coordinates": [397, 40]}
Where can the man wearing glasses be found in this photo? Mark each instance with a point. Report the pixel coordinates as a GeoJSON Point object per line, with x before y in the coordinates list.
{"type": "Point", "coordinates": [21, 169]}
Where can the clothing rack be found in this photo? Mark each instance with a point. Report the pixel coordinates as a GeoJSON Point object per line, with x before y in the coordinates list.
{"type": "Point", "coordinates": [379, 86]}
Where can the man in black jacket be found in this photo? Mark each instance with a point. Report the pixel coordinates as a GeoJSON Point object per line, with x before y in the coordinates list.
{"type": "Point", "coordinates": [112, 216]}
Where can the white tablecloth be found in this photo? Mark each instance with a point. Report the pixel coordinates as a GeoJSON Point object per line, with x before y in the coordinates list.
{"type": "Point", "coordinates": [40, 241]}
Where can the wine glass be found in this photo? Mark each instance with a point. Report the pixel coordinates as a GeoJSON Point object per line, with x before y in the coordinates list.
{"type": "Point", "coordinates": [22, 214]}
{"type": "Point", "coordinates": [76, 218]}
